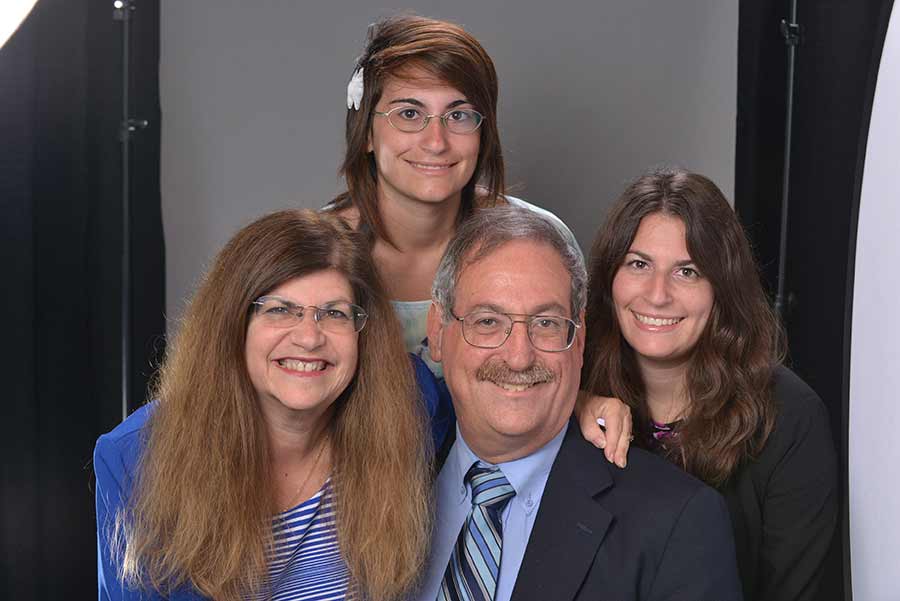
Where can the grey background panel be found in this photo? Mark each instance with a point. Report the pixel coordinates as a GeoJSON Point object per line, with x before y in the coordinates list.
{"type": "Point", "coordinates": [591, 94]}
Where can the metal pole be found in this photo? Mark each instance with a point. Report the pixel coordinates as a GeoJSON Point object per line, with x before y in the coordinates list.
{"type": "Point", "coordinates": [791, 32]}
{"type": "Point", "coordinates": [125, 136]}
{"type": "Point", "coordinates": [122, 10]}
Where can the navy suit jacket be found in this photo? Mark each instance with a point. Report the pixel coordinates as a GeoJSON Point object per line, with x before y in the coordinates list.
{"type": "Point", "coordinates": [649, 532]}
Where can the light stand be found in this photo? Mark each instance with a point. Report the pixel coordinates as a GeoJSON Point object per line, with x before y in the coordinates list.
{"type": "Point", "coordinates": [791, 31]}
{"type": "Point", "coordinates": [122, 12]}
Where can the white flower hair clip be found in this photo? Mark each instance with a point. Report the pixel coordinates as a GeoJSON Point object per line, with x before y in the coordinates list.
{"type": "Point", "coordinates": [355, 90]}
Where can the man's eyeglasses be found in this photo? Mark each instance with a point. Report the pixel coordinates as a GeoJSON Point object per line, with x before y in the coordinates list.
{"type": "Point", "coordinates": [490, 329]}
{"type": "Point", "coordinates": [410, 119]}
{"type": "Point", "coordinates": [338, 317]}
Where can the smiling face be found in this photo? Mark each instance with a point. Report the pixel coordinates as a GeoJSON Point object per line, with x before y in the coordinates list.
{"type": "Point", "coordinates": [299, 371]}
{"type": "Point", "coordinates": [661, 299]}
{"type": "Point", "coordinates": [511, 400]}
{"type": "Point", "coordinates": [429, 166]}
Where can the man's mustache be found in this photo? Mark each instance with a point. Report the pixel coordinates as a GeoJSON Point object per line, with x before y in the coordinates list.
{"type": "Point", "coordinates": [498, 372]}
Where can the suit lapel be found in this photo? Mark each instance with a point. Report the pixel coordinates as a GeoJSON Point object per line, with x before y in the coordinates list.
{"type": "Point", "coordinates": [570, 524]}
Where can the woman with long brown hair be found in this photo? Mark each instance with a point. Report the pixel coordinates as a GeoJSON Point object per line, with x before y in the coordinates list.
{"type": "Point", "coordinates": [422, 153]}
{"type": "Point", "coordinates": [286, 454]}
{"type": "Point", "coordinates": [679, 327]}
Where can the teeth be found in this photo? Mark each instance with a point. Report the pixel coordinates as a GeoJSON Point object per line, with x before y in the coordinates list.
{"type": "Point", "coordinates": [656, 321]}
{"type": "Point", "coordinates": [513, 387]}
{"type": "Point", "coordinates": [295, 365]}
{"type": "Point", "coordinates": [432, 167]}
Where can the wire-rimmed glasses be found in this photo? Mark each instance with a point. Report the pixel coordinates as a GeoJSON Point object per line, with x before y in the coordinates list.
{"type": "Point", "coordinates": [337, 317]}
{"type": "Point", "coordinates": [491, 329]}
{"type": "Point", "coordinates": [410, 119]}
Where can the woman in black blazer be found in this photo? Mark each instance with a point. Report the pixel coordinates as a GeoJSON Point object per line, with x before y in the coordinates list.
{"type": "Point", "coordinates": [679, 327]}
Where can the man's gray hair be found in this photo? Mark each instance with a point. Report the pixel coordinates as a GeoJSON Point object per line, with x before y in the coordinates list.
{"type": "Point", "coordinates": [486, 230]}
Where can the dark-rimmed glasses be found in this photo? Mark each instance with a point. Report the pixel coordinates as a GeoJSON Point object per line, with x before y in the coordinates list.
{"type": "Point", "coordinates": [338, 317]}
{"type": "Point", "coordinates": [491, 329]}
{"type": "Point", "coordinates": [410, 120]}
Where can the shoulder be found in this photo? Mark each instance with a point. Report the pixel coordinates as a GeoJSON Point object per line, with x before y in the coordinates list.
{"type": "Point", "coordinates": [130, 428]}
{"type": "Point", "coordinates": [119, 449]}
{"type": "Point", "coordinates": [800, 409]}
{"type": "Point", "coordinates": [427, 383]}
{"type": "Point", "coordinates": [800, 445]}
{"type": "Point", "coordinates": [345, 211]}
{"type": "Point", "coordinates": [655, 505]}
{"type": "Point", "coordinates": [518, 202]}
{"type": "Point", "coordinates": [436, 398]}
{"type": "Point", "coordinates": [671, 486]}
{"type": "Point", "coordinates": [648, 530]}
{"type": "Point", "coordinates": [678, 519]}
{"type": "Point", "coordinates": [522, 204]}
{"type": "Point", "coordinates": [682, 524]}
{"type": "Point", "coordinates": [793, 395]}
{"type": "Point", "coordinates": [649, 485]}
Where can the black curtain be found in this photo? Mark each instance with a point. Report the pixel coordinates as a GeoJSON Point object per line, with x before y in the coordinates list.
{"type": "Point", "coordinates": [836, 69]}
{"type": "Point", "coordinates": [61, 202]}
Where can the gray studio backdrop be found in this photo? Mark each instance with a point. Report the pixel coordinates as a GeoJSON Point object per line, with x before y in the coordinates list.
{"type": "Point", "coordinates": [591, 94]}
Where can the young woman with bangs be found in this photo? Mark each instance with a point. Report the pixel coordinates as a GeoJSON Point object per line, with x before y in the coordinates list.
{"type": "Point", "coordinates": [422, 153]}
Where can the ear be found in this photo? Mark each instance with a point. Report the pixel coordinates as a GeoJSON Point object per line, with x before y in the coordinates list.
{"type": "Point", "coordinates": [369, 145]}
{"type": "Point", "coordinates": [435, 330]}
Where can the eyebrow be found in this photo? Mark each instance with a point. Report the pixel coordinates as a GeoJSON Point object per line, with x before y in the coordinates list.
{"type": "Point", "coordinates": [543, 309]}
{"type": "Point", "coordinates": [288, 301]}
{"type": "Point", "coordinates": [648, 258]}
{"type": "Point", "coordinates": [416, 102]}
{"type": "Point", "coordinates": [485, 307]}
{"type": "Point", "coordinates": [539, 310]}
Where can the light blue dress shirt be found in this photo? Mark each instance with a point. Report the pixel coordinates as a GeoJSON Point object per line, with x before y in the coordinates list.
{"type": "Point", "coordinates": [527, 475]}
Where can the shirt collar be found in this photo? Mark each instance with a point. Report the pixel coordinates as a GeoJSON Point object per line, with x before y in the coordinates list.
{"type": "Point", "coordinates": [527, 475]}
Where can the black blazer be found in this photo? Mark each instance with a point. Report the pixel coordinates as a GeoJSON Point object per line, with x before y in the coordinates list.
{"type": "Point", "coordinates": [783, 505]}
{"type": "Point", "coordinates": [649, 532]}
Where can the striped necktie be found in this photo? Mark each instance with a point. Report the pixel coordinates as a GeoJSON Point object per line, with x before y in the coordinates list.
{"type": "Point", "coordinates": [471, 574]}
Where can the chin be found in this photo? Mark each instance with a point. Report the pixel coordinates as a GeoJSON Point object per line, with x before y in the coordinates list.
{"type": "Point", "coordinates": [305, 403]}
{"type": "Point", "coordinates": [435, 196]}
{"type": "Point", "coordinates": [663, 358]}
{"type": "Point", "coordinates": [512, 424]}
{"type": "Point", "coordinates": [652, 350]}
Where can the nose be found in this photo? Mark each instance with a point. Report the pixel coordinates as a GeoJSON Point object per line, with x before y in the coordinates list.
{"type": "Point", "coordinates": [518, 350]}
{"type": "Point", "coordinates": [306, 333]}
{"type": "Point", "coordinates": [657, 292]}
{"type": "Point", "coordinates": [434, 136]}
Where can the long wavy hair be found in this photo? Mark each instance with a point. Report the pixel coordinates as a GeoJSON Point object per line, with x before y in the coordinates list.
{"type": "Point", "coordinates": [731, 408]}
{"type": "Point", "coordinates": [449, 54]}
{"type": "Point", "coordinates": [202, 506]}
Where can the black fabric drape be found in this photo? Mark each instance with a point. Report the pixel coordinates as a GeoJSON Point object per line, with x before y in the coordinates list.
{"type": "Point", "coordinates": [61, 198]}
{"type": "Point", "coordinates": [836, 70]}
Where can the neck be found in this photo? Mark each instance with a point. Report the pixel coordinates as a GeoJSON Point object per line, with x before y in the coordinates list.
{"type": "Point", "coordinates": [666, 390]}
{"type": "Point", "coordinates": [504, 448]}
{"type": "Point", "coordinates": [300, 461]}
{"type": "Point", "coordinates": [296, 442]}
{"type": "Point", "coordinates": [415, 226]}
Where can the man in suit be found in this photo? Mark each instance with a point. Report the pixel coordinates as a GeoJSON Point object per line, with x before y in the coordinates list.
{"type": "Point", "coordinates": [526, 508]}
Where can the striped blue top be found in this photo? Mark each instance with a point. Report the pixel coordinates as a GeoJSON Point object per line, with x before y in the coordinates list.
{"type": "Point", "coordinates": [305, 563]}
